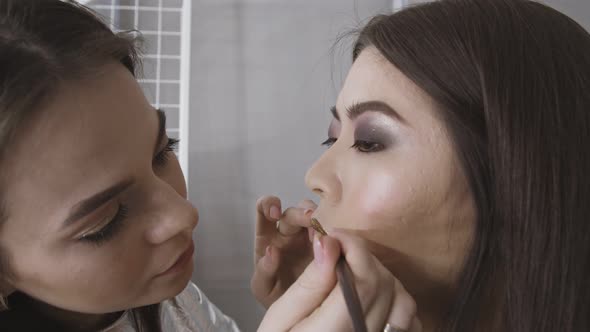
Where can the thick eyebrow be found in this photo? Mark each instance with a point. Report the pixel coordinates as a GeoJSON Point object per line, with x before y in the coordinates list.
{"type": "Point", "coordinates": [87, 206]}
{"type": "Point", "coordinates": [335, 113]}
{"type": "Point", "coordinates": [355, 110]}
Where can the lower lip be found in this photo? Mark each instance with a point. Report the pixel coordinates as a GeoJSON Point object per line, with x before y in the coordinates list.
{"type": "Point", "coordinates": [181, 263]}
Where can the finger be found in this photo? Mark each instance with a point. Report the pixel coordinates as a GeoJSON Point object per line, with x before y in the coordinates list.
{"type": "Point", "coordinates": [265, 224]}
{"type": "Point", "coordinates": [403, 311]}
{"type": "Point", "coordinates": [293, 220]}
{"type": "Point", "coordinates": [265, 274]}
{"type": "Point", "coordinates": [355, 251]}
{"type": "Point", "coordinates": [327, 317]}
{"type": "Point", "coordinates": [374, 284]}
{"type": "Point", "coordinates": [309, 207]}
{"type": "Point", "coordinates": [308, 291]}
{"type": "Point", "coordinates": [333, 314]}
{"type": "Point", "coordinates": [266, 214]}
{"type": "Point", "coordinates": [307, 204]}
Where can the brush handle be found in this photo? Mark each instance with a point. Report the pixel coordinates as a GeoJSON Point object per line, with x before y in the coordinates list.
{"type": "Point", "coordinates": [353, 303]}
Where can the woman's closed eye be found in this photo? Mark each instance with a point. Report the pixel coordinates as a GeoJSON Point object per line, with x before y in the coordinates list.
{"type": "Point", "coordinates": [114, 225]}
{"type": "Point", "coordinates": [109, 230]}
{"type": "Point", "coordinates": [163, 156]}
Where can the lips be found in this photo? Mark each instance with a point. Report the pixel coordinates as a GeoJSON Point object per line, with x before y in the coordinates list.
{"type": "Point", "coordinates": [181, 259]}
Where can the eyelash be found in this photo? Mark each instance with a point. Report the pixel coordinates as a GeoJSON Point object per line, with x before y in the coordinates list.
{"type": "Point", "coordinates": [360, 146]}
{"type": "Point", "coordinates": [163, 156]}
{"type": "Point", "coordinates": [329, 142]}
{"type": "Point", "coordinates": [108, 231]}
{"type": "Point", "coordinates": [367, 147]}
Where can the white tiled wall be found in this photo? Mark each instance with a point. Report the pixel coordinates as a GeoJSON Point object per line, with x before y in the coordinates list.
{"type": "Point", "coordinates": [161, 25]}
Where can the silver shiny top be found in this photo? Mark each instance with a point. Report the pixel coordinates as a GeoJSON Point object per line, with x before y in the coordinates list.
{"type": "Point", "coordinates": [189, 311]}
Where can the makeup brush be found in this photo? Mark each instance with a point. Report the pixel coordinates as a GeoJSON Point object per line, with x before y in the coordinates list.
{"type": "Point", "coordinates": [346, 281]}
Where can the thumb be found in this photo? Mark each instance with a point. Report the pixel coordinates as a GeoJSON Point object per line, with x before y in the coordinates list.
{"type": "Point", "coordinates": [309, 290]}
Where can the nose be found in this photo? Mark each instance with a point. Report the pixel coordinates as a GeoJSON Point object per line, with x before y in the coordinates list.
{"type": "Point", "coordinates": [322, 177]}
{"type": "Point", "coordinates": [173, 215]}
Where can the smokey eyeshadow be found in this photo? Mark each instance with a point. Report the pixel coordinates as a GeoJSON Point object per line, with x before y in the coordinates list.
{"type": "Point", "coordinates": [374, 128]}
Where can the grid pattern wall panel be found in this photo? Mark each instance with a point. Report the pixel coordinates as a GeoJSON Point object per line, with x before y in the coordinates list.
{"type": "Point", "coordinates": [165, 27]}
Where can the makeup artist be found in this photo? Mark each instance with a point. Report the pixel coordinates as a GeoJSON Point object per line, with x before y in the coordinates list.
{"type": "Point", "coordinates": [95, 228]}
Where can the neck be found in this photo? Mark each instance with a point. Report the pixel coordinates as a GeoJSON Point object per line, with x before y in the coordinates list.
{"type": "Point", "coordinates": [433, 313]}
{"type": "Point", "coordinates": [432, 310]}
{"type": "Point", "coordinates": [70, 320]}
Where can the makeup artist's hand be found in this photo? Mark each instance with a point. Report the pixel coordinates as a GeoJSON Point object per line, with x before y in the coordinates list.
{"type": "Point", "coordinates": [316, 303]}
{"type": "Point", "coordinates": [281, 255]}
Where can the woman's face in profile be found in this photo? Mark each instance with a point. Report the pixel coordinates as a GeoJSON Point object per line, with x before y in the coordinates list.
{"type": "Point", "coordinates": [95, 199]}
{"type": "Point", "coordinates": [391, 175]}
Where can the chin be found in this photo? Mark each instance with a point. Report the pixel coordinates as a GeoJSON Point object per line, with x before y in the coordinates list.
{"type": "Point", "coordinates": [179, 283]}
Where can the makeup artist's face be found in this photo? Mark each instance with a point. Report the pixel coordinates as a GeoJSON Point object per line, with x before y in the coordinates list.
{"type": "Point", "coordinates": [96, 201]}
{"type": "Point", "coordinates": [390, 174]}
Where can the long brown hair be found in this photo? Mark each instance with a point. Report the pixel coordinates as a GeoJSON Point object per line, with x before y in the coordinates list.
{"type": "Point", "coordinates": [512, 80]}
{"type": "Point", "coordinates": [44, 42]}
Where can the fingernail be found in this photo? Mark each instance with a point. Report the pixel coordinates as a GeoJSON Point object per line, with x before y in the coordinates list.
{"type": "Point", "coordinates": [275, 213]}
{"type": "Point", "coordinates": [307, 212]}
{"type": "Point", "coordinates": [318, 249]}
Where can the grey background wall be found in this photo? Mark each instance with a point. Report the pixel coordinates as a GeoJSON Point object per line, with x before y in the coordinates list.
{"type": "Point", "coordinates": [579, 10]}
{"type": "Point", "coordinates": [263, 79]}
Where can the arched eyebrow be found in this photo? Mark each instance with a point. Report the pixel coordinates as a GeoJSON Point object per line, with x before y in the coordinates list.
{"type": "Point", "coordinates": [335, 113]}
{"type": "Point", "coordinates": [88, 205]}
{"type": "Point", "coordinates": [356, 109]}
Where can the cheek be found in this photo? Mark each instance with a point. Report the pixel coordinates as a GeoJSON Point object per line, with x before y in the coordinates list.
{"type": "Point", "coordinates": [59, 274]}
{"type": "Point", "coordinates": [386, 195]}
{"type": "Point", "coordinates": [72, 269]}
{"type": "Point", "coordinates": [377, 194]}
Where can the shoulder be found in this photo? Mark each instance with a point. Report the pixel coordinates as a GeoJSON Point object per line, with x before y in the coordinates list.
{"type": "Point", "coordinates": [20, 318]}
{"type": "Point", "coordinates": [193, 310]}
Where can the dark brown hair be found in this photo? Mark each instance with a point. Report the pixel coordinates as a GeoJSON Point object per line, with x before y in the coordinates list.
{"type": "Point", "coordinates": [43, 43]}
{"type": "Point", "coordinates": [512, 80]}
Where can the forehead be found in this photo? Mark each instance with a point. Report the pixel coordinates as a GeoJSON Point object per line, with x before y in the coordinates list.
{"type": "Point", "coordinates": [373, 77]}
{"type": "Point", "coordinates": [76, 140]}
